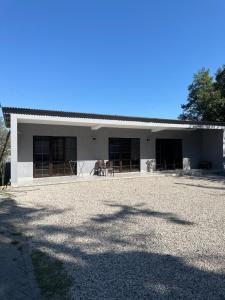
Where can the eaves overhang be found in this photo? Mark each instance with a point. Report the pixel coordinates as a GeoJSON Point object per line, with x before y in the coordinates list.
{"type": "Point", "coordinates": [36, 116]}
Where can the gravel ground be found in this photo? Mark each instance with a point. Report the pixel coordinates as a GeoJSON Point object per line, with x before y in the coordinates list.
{"type": "Point", "coordinates": [140, 238]}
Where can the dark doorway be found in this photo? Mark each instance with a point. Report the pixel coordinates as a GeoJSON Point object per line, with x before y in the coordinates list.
{"type": "Point", "coordinates": [55, 156]}
{"type": "Point", "coordinates": [169, 154]}
{"type": "Point", "coordinates": [125, 154]}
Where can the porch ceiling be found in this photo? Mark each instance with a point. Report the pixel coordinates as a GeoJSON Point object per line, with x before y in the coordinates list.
{"type": "Point", "coordinates": [96, 124]}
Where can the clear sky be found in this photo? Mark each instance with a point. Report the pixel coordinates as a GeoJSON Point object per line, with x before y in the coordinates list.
{"type": "Point", "coordinates": [107, 56]}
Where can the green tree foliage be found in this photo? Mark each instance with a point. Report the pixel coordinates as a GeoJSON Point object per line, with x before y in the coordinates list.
{"type": "Point", "coordinates": [206, 97]}
{"type": "Point", "coordinates": [3, 134]}
{"type": "Point", "coordinates": [220, 80]}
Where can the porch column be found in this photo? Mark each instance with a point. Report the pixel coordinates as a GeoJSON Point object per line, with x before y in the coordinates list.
{"type": "Point", "coordinates": [14, 152]}
{"type": "Point", "coordinates": [224, 149]}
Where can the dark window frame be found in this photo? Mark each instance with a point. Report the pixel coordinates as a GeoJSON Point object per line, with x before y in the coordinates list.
{"type": "Point", "coordinates": [55, 168]}
{"type": "Point", "coordinates": [163, 161]}
{"type": "Point", "coordinates": [124, 145]}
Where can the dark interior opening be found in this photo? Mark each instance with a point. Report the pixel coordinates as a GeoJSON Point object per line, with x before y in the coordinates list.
{"type": "Point", "coordinates": [125, 154]}
{"type": "Point", "coordinates": [55, 156]}
{"type": "Point", "coordinates": [169, 154]}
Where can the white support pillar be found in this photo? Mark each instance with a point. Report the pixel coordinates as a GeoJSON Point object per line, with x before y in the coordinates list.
{"type": "Point", "coordinates": [224, 149]}
{"type": "Point", "coordinates": [14, 151]}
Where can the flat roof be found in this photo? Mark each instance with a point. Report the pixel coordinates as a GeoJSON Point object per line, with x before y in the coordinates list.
{"type": "Point", "coordinates": [7, 111]}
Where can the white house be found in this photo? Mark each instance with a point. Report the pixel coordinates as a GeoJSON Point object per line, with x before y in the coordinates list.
{"type": "Point", "coordinates": [45, 142]}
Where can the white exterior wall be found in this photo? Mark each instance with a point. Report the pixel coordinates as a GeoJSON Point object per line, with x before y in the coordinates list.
{"type": "Point", "coordinates": [88, 150]}
{"type": "Point", "coordinates": [85, 146]}
{"type": "Point", "coordinates": [195, 145]}
{"type": "Point", "coordinates": [14, 150]}
{"type": "Point", "coordinates": [213, 147]}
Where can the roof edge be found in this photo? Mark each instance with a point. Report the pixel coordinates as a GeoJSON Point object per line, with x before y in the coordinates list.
{"type": "Point", "coordinates": [7, 111]}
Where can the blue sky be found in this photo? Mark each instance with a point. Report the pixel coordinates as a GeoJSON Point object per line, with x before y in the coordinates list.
{"type": "Point", "coordinates": [107, 56]}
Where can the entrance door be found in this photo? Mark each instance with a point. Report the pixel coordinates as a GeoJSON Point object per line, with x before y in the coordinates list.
{"type": "Point", "coordinates": [125, 154]}
{"type": "Point", "coordinates": [55, 156]}
{"type": "Point", "coordinates": [169, 154]}
{"type": "Point", "coordinates": [41, 156]}
{"type": "Point", "coordinates": [58, 156]}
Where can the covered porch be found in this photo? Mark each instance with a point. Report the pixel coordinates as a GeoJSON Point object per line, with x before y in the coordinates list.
{"type": "Point", "coordinates": [44, 146]}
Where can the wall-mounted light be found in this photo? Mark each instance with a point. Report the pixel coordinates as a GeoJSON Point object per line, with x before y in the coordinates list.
{"type": "Point", "coordinates": [148, 139]}
{"type": "Point", "coordinates": [93, 138]}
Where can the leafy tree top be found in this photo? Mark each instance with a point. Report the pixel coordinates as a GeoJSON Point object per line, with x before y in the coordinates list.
{"type": "Point", "coordinates": [206, 97]}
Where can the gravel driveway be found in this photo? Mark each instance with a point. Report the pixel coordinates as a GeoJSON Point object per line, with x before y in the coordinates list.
{"type": "Point", "coordinates": [140, 238]}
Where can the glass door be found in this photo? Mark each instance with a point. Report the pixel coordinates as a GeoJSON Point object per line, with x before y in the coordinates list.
{"type": "Point", "coordinates": [55, 156]}
{"type": "Point", "coordinates": [125, 154]}
{"type": "Point", "coordinates": [58, 160]}
{"type": "Point", "coordinates": [41, 156]}
{"type": "Point", "coordinates": [169, 154]}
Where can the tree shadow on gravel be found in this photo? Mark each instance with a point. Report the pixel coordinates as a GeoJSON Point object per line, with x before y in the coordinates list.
{"type": "Point", "coordinates": [213, 178]}
{"type": "Point", "coordinates": [143, 275]}
{"type": "Point", "coordinates": [108, 264]}
{"type": "Point", "coordinates": [11, 212]}
{"type": "Point", "coordinates": [127, 211]}
{"type": "Point", "coordinates": [201, 186]}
